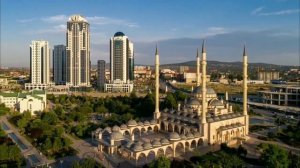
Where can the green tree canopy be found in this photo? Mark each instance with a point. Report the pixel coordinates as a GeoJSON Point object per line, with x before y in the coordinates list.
{"type": "Point", "coordinates": [274, 156]}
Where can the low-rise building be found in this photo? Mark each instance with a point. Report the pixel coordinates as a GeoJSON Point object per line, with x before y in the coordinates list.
{"type": "Point", "coordinates": [267, 75]}
{"type": "Point", "coordinates": [282, 95]}
{"type": "Point", "coordinates": [118, 86]}
{"type": "Point", "coordinates": [35, 100]}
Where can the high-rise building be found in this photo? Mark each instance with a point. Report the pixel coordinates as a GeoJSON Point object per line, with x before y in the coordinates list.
{"type": "Point", "coordinates": [130, 63]}
{"type": "Point", "coordinates": [59, 64]}
{"type": "Point", "coordinates": [78, 52]}
{"type": "Point", "coordinates": [39, 62]}
{"type": "Point", "coordinates": [121, 58]}
{"type": "Point", "coordinates": [121, 64]}
{"type": "Point", "coordinates": [101, 74]}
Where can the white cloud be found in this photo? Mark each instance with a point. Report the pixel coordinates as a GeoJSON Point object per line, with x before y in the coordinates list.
{"type": "Point", "coordinates": [100, 20]}
{"type": "Point", "coordinates": [56, 18]}
{"type": "Point", "coordinates": [25, 20]}
{"type": "Point", "coordinates": [54, 30]}
{"type": "Point", "coordinates": [259, 12]}
{"type": "Point", "coordinates": [212, 31]}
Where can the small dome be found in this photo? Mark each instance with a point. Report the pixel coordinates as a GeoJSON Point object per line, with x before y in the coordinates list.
{"type": "Point", "coordinates": [77, 18]}
{"type": "Point", "coordinates": [131, 123]}
{"type": "Point", "coordinates": [164, 141]}
{"type": "Point", "coordinates": [108, 129]}
{"type": "Point", "coordinates": [123, 126]}
{"type": "Point", "coordinates": [140, 123]}
{"type": "Point", "coordinates": [152, 122]}
{"type": "Point", "coordinates": [194, 102]}
{"type": "Point", "coordinates": [215, 102]}
{"type": "Point", "coordinates": [189, 135]}
{"type": "Point", "coordinates": [116, 128]}
{"type": "Point", "coordinates": [198, 90]}
{"type": "Point", "coordinates": [197, 134]}
{"type": "Point", "coordinates": [147, 145]}
{"type": "Point", "coordinates": [182, 136]}
{"type": "Point", "coordinates": [137, 147]}
{"type": "Point", "coordinates": [156, 142]}
{"type": "Point", "coordinates": [117, 136]}
{"type": "Point", "coordinates": [174, 136]}
{"type": "Point", "coordinates": [146, 123]}
{"type": "Point", "coordinates": [119, 34]}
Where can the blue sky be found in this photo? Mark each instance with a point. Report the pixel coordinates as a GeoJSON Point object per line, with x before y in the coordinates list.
{"type": "Point", "coordinates": [270, 28]}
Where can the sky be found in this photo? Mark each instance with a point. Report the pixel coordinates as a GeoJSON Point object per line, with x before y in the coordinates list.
{"type": "Point", "coordinates": [269, 28]}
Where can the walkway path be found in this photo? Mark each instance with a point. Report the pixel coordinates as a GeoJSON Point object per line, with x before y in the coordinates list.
{"type": "Point", "coordinates": [30, 150]}
{"type": "Point", "coordinates": [88, 148]}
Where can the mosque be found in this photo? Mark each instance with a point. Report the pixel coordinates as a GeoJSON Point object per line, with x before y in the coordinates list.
{"type": "Point", "coordinates": [201, 121]}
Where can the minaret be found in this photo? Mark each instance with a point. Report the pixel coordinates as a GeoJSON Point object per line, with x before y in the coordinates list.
{"type": "Point", "coordinates": [204, 108]}
{"type": "Point", "coordinates": [198, 68]}
{"type": "Point", "coordinates": [245, 89]}
{"type": "Point", "coordinates": [156, 113]}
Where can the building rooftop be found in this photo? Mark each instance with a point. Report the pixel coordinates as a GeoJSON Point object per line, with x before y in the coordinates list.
{"type": "Point", "coordinates": [119, 34]}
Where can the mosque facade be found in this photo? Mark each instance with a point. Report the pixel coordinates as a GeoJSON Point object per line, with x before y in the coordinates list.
{"type": "Point", "coordinates": [200, 121]}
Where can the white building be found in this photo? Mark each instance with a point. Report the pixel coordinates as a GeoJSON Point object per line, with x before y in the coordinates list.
{"type": "Point", "coordinates": [78, 52]}
{"type": "Point", "coordinates": [39, 65]}
{"type": "Point", "coordinates": [33, 101]}
{"type": "Point", "coordinates": [59, 64]}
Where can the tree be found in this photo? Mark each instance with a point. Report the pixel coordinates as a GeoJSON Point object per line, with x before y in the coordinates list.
{"type": "Point", "coordinates": [161, 162]}
{"type": "Point", "coordinates": [50, 117]}
{"type": "Point", "coordinates": [170, 101]}
{"type": "Point", "coordinates": [101, 109]}
{"type": "Point", "coordinates": [274, 156]}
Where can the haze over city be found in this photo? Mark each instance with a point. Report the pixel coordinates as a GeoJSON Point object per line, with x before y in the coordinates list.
{"type": "Point", "coordinates": [270, 28]}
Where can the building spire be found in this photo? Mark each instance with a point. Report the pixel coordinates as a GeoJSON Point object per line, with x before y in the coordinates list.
{"type": "Point", "coordinates": [244, 52]}
{"type": "Point", "coordinates": [198, 69]}
{"type": "Point", "coordinates": [156, 112]}
{"type": "Point", "coordinates": [203, 47]}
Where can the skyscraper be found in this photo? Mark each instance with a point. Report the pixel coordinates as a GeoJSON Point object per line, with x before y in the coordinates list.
{"type": "Point", "coordinates": [101, 74]}
{"type": "Point", "coordinates": [39, 62]}
{"type": "Point", "coordinates": [121, 58]}
{"type": "Point", "coordinates": [78, 52]}
{"type": "Point", "coordinates": [130, 63]}
{"type": "Point", "coordinates": [59, 64]}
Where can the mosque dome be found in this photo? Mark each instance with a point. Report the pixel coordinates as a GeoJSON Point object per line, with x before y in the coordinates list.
{"type": "Point", "coordinates": [152, 122]}
{"type": "Point", "coordinates": [119, 34]}
{"type": "Point", "coordinates": [189, 135]}
{"type": "Point", "coordinates": [140, 123]}
{"type": "Point", "coordinates": [147, 145]}
{"type": "Point", "coordinates": [131, 123]}
{"type": "Point", "coordinates": [164, 141]}
{"type": "Point", "coordinates": [194, 102]}
{"type": "Point", "coordinates": [174, 136]}
{"type": "Point", "coordinates": [117, 136]}
{"type": "Point", "coordinates": [215, 102]}
{"type": "Point", "coordinates": [108, 129]}
{"type": "Point", "coordinates": [123, 126]}
{"type": "Point", "coordinates": [198, 90]}
{"type": "Point", "coordinates": [182, 136]}
{"type": "Point", "coordinates": [137, 147]}
{"type": "Point", "coordinates": [197, 134]}
{"type": "Point", "coordinates": [116, 128]}
{"type": "Point", "coordinates": [156, 142]}
{"type": "Point", "coordinates": [146, 123]}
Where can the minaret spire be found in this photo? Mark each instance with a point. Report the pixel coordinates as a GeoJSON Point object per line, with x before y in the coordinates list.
{"type": "Point", "coordinates": [198, 68]}
{"type": "Point", "coordinates": [156, 113]}
{"type": "Point", "coordinates": [203, 47]}
{"type": "Point", "coordinates": [245, 89]}
{"type": "Point", "coordinates": [204, 103]}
